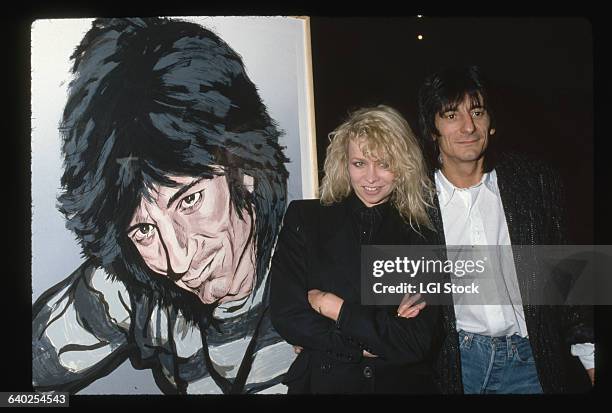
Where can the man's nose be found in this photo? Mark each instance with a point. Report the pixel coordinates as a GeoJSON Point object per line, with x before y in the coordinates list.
{"type": "Point", "coordinates": [179, 252]}
{"type": "Point", "coordinates": [468, 124]}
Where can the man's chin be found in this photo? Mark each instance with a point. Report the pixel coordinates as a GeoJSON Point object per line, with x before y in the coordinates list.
{"type": "Point", "coordinates": [223, 298]}
{"type": "Point", "coordinates": [219, 291]}
{"type": "Point", "coordinates": [234, 297]}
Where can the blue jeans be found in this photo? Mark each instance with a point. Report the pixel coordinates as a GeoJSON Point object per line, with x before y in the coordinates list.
{"type": "Point", "coordinates": [497, 365]}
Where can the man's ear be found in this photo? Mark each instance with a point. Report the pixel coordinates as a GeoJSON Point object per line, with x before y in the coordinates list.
{"type": "Point", "coordinates": [249, 182]}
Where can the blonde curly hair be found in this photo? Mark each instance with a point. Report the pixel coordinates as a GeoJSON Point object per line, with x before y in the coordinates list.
{"type": "Point", "coordinates": [383, 135]}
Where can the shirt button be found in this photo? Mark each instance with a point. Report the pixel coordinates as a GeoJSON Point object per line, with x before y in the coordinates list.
{"type": "Point", "coordinates": [367, 372]}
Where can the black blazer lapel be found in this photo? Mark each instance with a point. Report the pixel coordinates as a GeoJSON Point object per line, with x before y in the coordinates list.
{"type": "Point", "coordinates": [337, 248]}
{"type": "Point", "coordinates": [519, 212]}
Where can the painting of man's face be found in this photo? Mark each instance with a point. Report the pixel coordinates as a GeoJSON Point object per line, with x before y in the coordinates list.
{"type": "Point", "coordinates": [171, 165]}
{"type": "Point", "coordinates": [192, 233]}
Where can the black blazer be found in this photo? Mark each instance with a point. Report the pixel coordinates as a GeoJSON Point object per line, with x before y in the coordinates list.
{"type": "Point", "coordinates": [533, 199]}
{"type": "Point", "coordinates": [318, 247]}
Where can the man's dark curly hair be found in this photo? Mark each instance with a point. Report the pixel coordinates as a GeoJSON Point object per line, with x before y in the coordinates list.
{"type": "Point", "coordinates": [444, 90]}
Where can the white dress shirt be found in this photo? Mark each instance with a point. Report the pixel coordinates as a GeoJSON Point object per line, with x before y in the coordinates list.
{"type": "Point", "coordinates": [475, 216]}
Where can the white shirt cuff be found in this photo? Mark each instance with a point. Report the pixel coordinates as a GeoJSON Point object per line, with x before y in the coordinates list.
{"type": "Point", "coordinates": [586, 353]}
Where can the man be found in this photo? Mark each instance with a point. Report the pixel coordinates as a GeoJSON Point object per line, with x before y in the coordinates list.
{"type": "Point", "coordinates": [487, 200]}
{"type": "Point", "coordinates": [175, 187]}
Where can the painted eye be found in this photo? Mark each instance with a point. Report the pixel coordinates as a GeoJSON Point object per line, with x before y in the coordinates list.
{"type": "Point", "coordinates": [143, 232]}
{"type": "Point", "coordinates": [190, 202]}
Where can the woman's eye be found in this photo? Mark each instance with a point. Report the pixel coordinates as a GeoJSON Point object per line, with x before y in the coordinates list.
{"type": "Point", "coordinates": [450, 116]}
{"type": "Point", "coordinates": [384, 165]}
{"type": "Point", "coordinates": [477, 113]}
{"type": "Point", "coordinates": [358, 164]}
{"type": "Point", "coordinates": [191, 201]}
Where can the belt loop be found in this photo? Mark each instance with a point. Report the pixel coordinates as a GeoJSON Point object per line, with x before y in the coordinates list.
{"type": "Point", "coordinates": [466, 340]}
{"type": "Point", "coordinates": [509, 346]}
{"type": "Point", "coordinates": [470, 337]}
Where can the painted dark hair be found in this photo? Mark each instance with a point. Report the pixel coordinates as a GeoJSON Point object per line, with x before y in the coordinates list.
{"type": "Point", "coordinates": [444, 90]}
{"type": "Point", "coordinates": [156, 97]}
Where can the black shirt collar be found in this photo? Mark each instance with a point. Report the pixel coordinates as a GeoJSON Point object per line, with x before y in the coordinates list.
{"type": "Point", "coordinates": [356, 205]}
{"type": "Point", "coordinates": [367, 219]}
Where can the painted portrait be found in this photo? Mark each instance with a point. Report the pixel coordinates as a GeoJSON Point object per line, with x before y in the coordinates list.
{"type": "Point", "coordinates": [164, 154]}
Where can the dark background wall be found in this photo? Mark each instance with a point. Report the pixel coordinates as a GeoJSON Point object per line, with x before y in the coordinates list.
{"type": "Point", "coordinates": [541, 70]}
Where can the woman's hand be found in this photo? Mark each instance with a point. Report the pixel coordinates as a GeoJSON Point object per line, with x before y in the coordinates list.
{"type": "Point", "coordinates": [325, 303]}
{"type": "Point", "coordinates": [298, 350]}
{"type": "Point", "coordinates": [408, 308]}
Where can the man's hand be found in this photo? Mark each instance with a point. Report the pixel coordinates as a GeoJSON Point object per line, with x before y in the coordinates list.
{"type": "Point", "coordinates": [408, 308]}
{"type": "Point", "coordinates": [591, 373]}
{"type": "Point", "coordinates": [366, 354]}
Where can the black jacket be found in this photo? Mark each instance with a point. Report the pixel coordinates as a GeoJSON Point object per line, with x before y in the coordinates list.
{"type": "Point", "coordinates": [319, 247]}
{"type": "Point", "coordinates": [532, 197]}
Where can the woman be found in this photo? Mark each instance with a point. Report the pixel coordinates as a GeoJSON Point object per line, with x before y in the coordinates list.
{"type": "Point", "coordinates": [375, 191]}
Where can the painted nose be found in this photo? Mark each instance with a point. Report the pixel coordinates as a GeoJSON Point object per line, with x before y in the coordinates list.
{"type": "Point", "coordinates": [179, 252]}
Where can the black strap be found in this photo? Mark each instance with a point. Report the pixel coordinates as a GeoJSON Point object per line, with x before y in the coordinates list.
{"type": "Point", "coordinates": [247, 360]}
{"type": "Point", "coordinates": [237, 387]}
